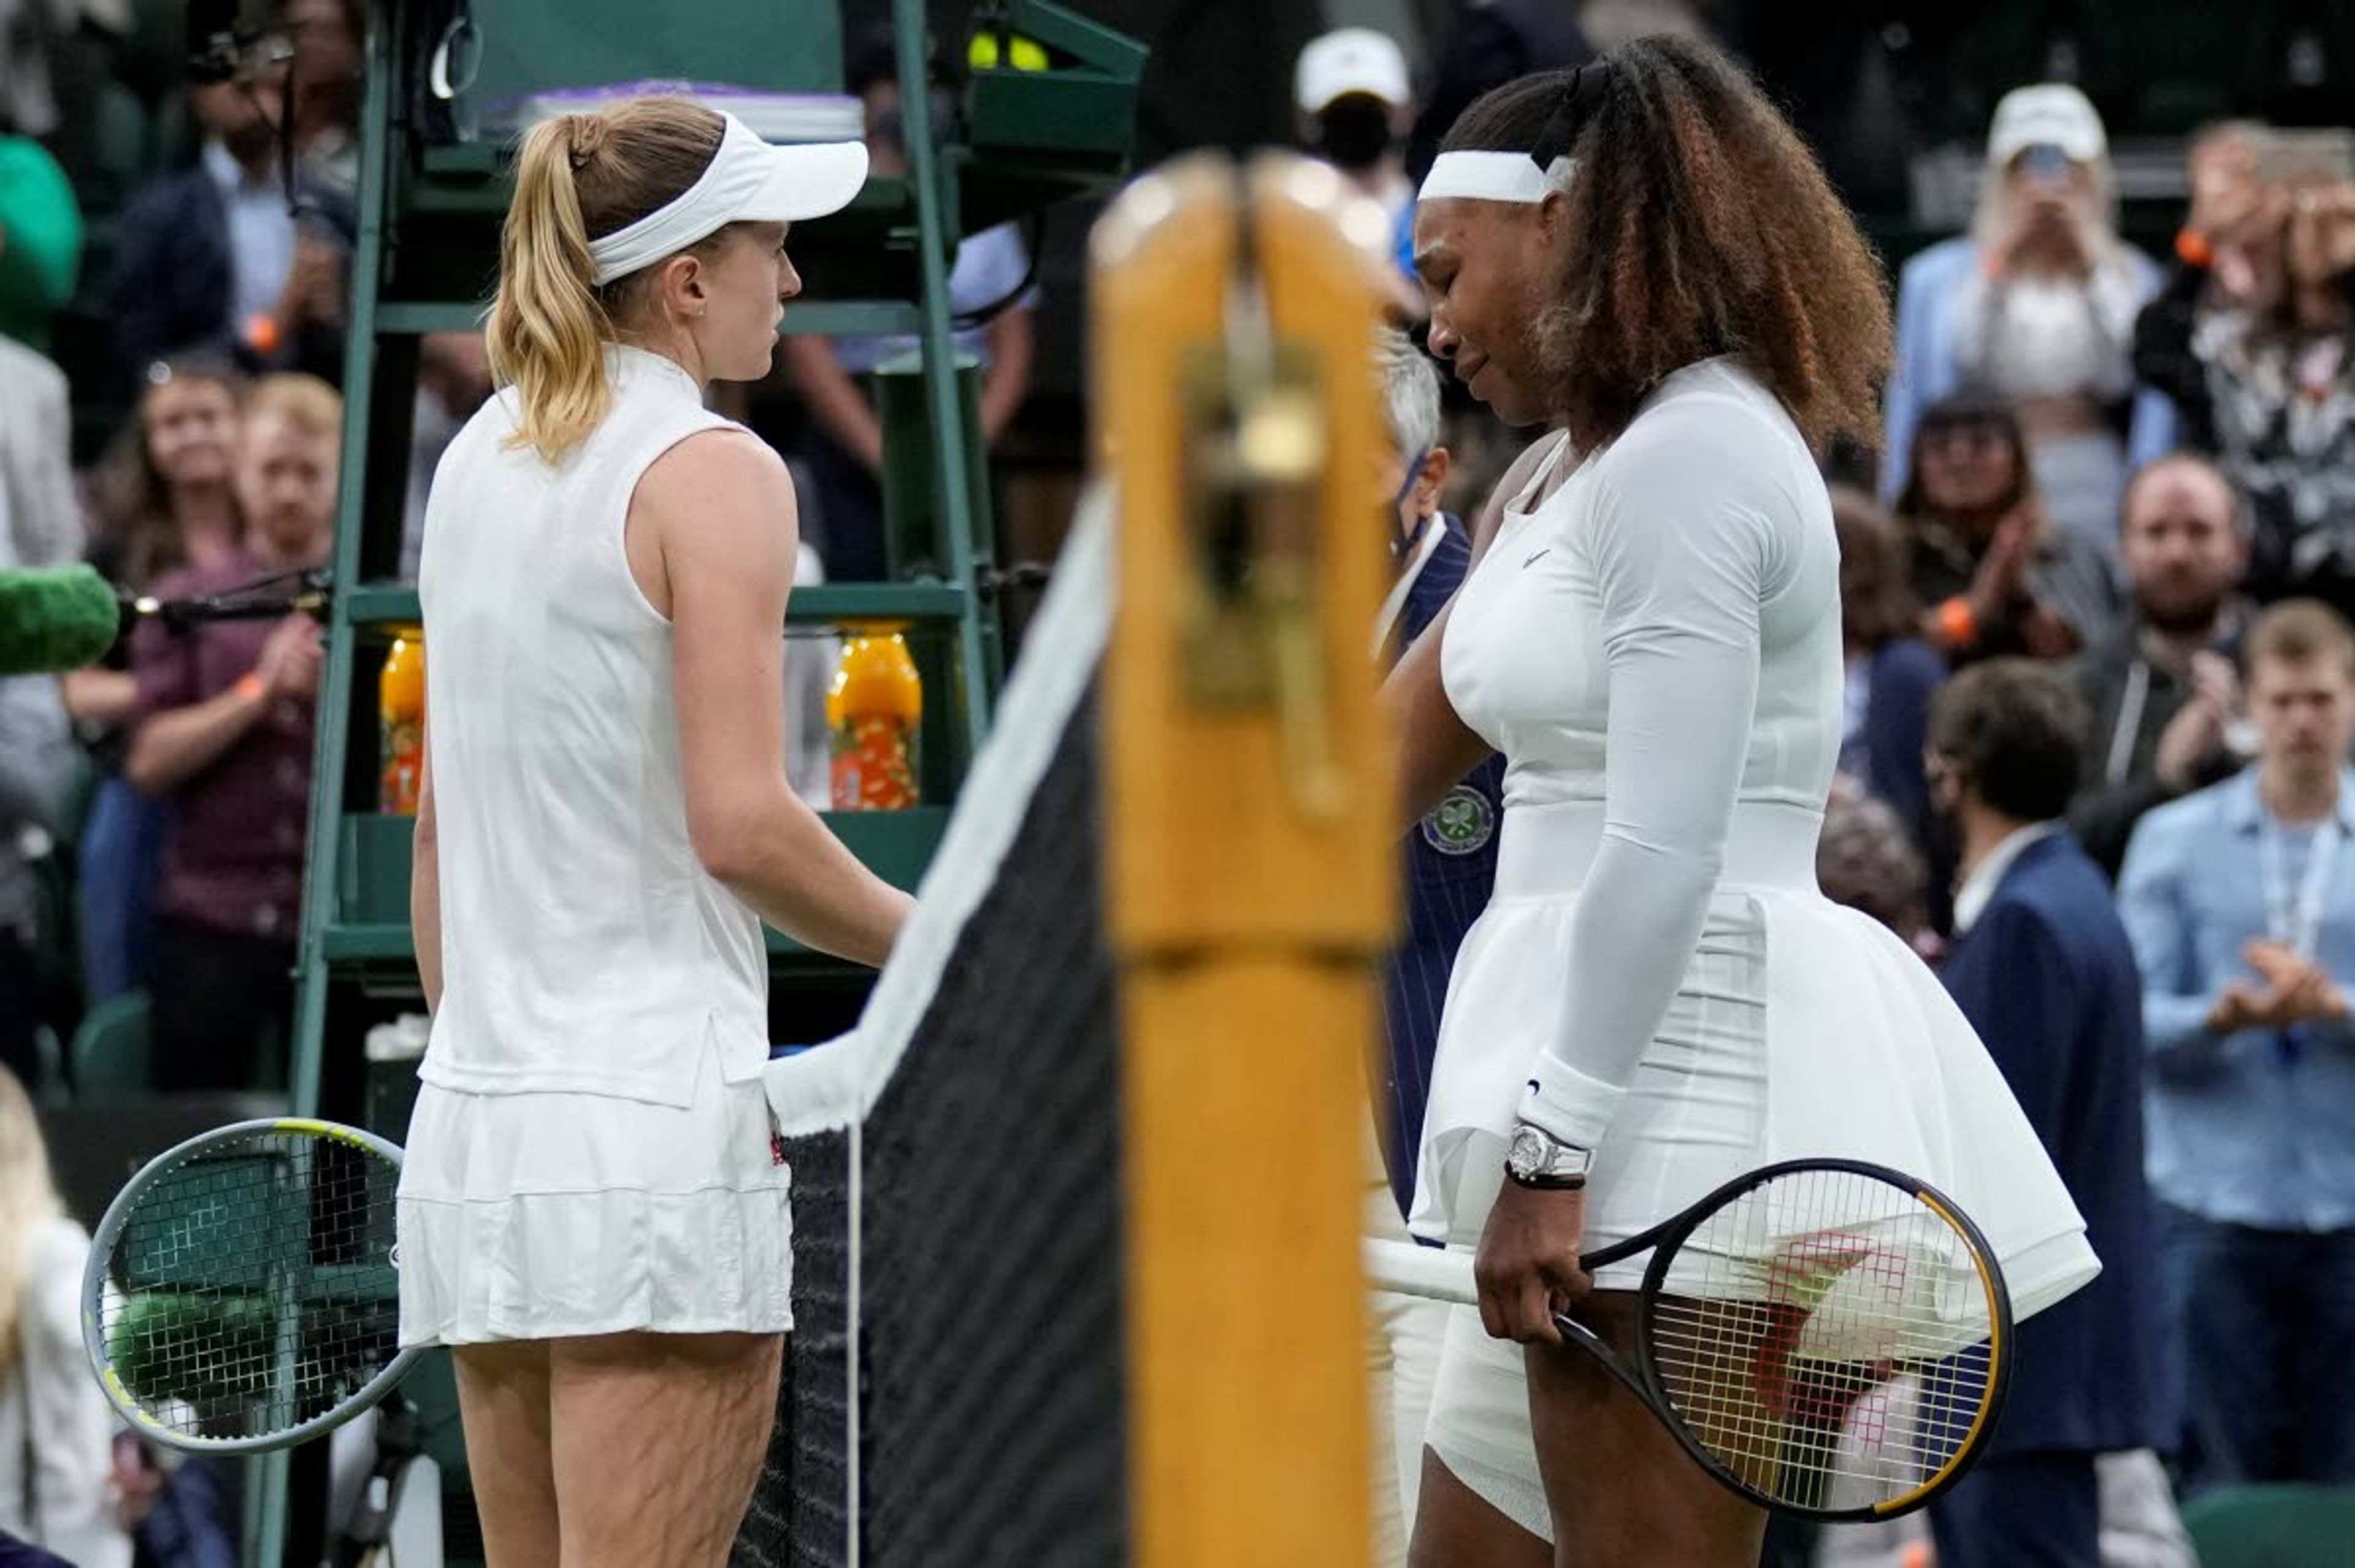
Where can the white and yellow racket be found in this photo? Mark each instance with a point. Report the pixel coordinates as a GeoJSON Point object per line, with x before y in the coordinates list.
{"type": "Point", "coordinates": [243, 1293]}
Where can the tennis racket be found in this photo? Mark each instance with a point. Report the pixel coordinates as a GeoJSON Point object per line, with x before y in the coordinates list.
{"type": "Point", "coordinates": [1828, 1338]}
{"type": "Point", "coordinates": [243, 1293]}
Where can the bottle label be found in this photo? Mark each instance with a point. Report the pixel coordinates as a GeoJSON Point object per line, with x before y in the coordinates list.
{"type": "Point", "coordinates": [404, 769]}
{"type": "Point", "coordinates": [874, 765]}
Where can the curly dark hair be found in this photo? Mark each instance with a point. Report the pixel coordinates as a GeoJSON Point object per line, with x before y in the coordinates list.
{"type": "Point", "coordinates": [1699, 225]}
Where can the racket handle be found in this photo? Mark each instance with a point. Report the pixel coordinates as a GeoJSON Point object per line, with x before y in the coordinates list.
{"type": "Point", "coordinates": [1427, 1272]}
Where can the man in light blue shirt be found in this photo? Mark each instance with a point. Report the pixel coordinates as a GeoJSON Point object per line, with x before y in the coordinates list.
{"type": "Point", "coordinates": [2240, 901]}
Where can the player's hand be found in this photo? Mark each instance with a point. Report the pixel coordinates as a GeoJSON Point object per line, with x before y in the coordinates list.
{"type": "Point", "coordinates": [1527, 1268]}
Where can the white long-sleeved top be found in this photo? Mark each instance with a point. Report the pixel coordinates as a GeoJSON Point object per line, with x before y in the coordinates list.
{"type": "Point", "coordinates": [1656, 648]}
{"type": "Point", "coordinates": [1662, 636]}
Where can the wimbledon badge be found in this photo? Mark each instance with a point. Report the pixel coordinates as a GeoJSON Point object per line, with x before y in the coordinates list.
{"type": "Point", "coordinates": [1462, 824]}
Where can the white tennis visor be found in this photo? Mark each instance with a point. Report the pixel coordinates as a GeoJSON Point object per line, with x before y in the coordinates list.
{"type": "Point", "coordinates": [747, 181]}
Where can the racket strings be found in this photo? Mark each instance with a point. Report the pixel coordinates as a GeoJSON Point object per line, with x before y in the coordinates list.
{"type": "Point", "coordinates": [1824, 1337]}
{"type": "Point", "coordinates": [251, 1287]}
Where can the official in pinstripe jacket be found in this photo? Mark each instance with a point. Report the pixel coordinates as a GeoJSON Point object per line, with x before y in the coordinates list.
{"type": "Point", "coordinates": [1451, 856]}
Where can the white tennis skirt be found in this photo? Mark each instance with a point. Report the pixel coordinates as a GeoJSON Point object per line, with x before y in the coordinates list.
{"type": "Point", "coordinates": [543, 1216]}
{"type": "Point", "coordinates": [1800, 1031]}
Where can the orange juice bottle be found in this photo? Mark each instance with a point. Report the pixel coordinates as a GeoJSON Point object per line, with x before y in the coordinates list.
{"type": "Point", "coordinates": [401, 709]}
{"type": "Point", "coordinates": [872, 708]}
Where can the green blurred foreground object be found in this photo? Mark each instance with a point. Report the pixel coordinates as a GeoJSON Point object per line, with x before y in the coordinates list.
{"type": "Point", "coordinates": [55, 619]}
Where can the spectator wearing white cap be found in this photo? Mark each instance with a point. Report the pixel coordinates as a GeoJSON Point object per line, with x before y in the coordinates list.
{"type": "Point", "coordinates": [2036, 305]}
{"type": "Point", "coordinates": [1355, 102]}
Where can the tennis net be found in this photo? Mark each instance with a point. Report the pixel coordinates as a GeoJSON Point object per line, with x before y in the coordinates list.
{"type": "Point", "coordinates": [955, 1387]}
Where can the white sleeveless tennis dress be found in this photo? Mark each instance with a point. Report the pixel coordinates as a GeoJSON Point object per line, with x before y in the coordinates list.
{"type": "Point", "coordinates": [1655, 649]}
{"type": "Point", "coordinates": [591, 1148]}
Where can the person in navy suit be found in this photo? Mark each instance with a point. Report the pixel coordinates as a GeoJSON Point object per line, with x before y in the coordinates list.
{"type": "Point", "coordinates": [2042, 967]}
{"type": "Point", "coordinates": [1451, 865]}
{"type": "Point", "coordinates": [1451, 856]}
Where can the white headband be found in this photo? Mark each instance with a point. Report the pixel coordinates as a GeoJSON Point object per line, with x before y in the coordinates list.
{"type": "Point", "coordinates": [747, 181]}
{"type": "Point", "coordinates": [1495, 176]}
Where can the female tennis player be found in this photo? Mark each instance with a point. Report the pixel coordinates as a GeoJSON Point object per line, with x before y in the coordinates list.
{"type": "Point", "coordinates": [1643, 256]}
{"type": "Point", "coordinates": [590, 1213]}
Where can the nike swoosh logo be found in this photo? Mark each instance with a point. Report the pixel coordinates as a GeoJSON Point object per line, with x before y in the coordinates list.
{"type": "Point", "coordinates": [1536, 558]}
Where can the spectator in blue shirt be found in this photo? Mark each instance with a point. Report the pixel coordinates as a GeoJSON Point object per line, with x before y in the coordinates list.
{"type": "Point", "coordinates": [2241, 908]}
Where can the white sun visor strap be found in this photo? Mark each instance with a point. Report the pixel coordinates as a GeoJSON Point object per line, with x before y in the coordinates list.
{"type": "Point", "coordinates": [1495, 176]}
{"type": "Point", "coordinates": [718, 198]}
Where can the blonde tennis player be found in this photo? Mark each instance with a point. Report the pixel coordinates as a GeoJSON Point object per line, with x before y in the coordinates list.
{"type": "Point", "coordinates": [1642, 254]}
{"type": "Point", "coordinates": [590, 1213]}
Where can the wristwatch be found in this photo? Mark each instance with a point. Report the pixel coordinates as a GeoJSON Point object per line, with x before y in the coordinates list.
{"type": "Point", "coordinates": [1536, 1160]}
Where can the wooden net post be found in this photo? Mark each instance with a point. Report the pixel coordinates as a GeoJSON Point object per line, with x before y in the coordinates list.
{"type": "Point", "coordinates": [1251, 862]}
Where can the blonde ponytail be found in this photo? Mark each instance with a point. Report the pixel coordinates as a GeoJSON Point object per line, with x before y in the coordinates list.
{"type": "Point", "coordinates": [577, 177]}
{"type": "Point", "coordinates": [548, 329]}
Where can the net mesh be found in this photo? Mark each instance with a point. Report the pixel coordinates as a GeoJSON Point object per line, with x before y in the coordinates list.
{"type": "Point", "coordinates": [800, 1513]}
{"type": "Point", "coordinates": [981, 1302]}
{"type": "Point", "coordinates": [251, 1287]}
{"type": "Point", "coordinates": [1824, 1337]}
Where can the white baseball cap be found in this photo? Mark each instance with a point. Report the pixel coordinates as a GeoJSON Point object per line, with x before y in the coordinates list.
{"type": "Point", "coordinates": [1351, 60]}
{"type": "Point", "coordinates": [747, 181]}
{"type": "Point", "coordinates": [2052, 115]}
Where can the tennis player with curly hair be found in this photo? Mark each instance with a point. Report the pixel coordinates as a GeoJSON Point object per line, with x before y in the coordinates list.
{"type": "Point", "coordinates": [1642, 256]}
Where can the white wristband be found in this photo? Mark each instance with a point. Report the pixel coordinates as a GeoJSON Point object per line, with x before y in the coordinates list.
{"type": "Point", "coordinates": [1568, 1105]}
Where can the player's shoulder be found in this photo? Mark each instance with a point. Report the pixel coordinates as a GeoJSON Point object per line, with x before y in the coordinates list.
{"type": "Point", "coordinates": [1702, 425]}
{"type": "Point", "coordinates": [722, 464]}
